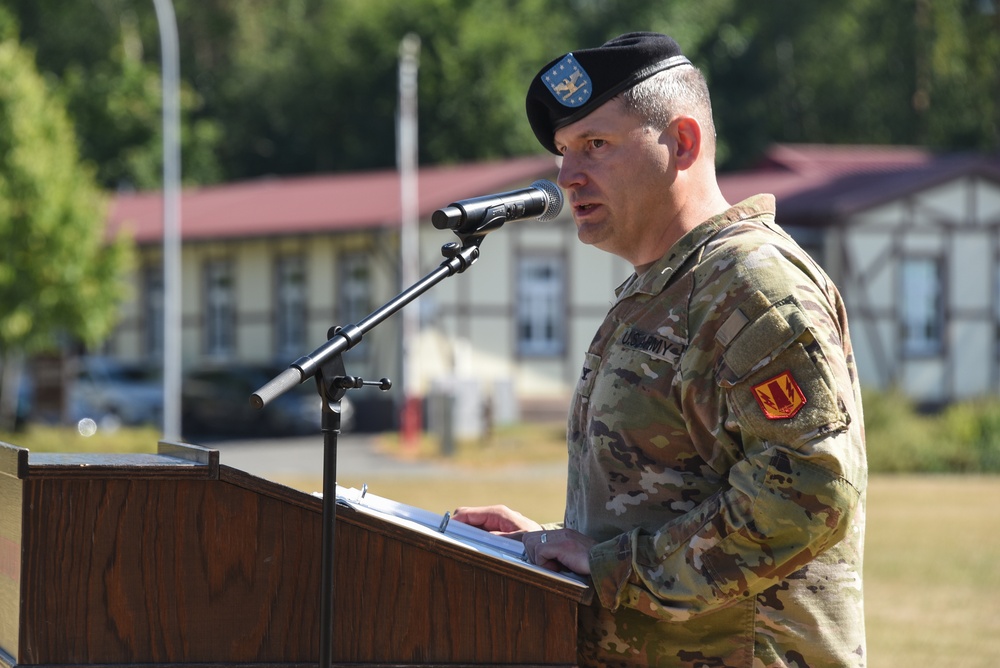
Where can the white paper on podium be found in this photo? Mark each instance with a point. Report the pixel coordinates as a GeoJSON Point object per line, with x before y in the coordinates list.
{"type": "Point", "coordinates": [441, 527]}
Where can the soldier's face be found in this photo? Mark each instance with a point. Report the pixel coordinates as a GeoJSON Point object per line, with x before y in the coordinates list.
{"type": "Point", "coordinates": [616, 173]}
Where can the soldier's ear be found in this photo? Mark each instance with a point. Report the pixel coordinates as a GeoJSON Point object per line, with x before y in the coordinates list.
{"type": "Point", "coordinates": [686, 135]}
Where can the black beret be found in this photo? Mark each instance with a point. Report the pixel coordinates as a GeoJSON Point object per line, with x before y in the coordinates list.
{"type": "Point", "coordinates": [572, 86]}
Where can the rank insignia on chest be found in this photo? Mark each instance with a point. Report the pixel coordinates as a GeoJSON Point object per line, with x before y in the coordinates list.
{"type": "Point", "coordinates": [780, 397]}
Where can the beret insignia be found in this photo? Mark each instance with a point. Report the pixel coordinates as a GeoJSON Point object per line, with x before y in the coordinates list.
{"type": "Point", "coordinates": [569, 82]}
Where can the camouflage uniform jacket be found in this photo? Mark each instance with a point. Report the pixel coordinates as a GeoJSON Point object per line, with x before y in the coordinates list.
{"type": "Point", "coordinates": [716, 449]}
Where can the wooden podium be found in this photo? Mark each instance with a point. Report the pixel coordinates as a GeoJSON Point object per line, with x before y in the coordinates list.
{"type": "Point", "coordinates": [172, 559]}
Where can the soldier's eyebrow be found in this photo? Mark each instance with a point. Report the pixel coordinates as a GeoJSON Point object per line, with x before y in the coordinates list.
{"type": "Point", "coordinates": [583, 135]}
{"type": "Point", "coordinates": [591, 133]}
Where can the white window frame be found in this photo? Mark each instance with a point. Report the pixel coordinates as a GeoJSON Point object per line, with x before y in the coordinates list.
{"type": "Point", "coordinates": [996, 307]}
{"type": "Point", "coordinates": [153, 309]}
{"type": "Point", "coordinates": [354, 287]}
{"type": "Point", "coordinates": [290, 306]}
{"type": "Point", "coordinates": [220, 308]}
{"type": "Point", "coordinates": [921, 306]}
{"type": "Point", "coordinates": [541, 305]}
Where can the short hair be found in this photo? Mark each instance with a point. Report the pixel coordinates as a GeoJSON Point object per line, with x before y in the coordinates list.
{"type": "Point", "coordinates": [667, 94]}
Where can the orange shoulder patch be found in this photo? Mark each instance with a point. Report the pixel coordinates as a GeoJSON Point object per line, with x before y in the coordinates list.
{"type": "Point", "coordinates": [780, 397]}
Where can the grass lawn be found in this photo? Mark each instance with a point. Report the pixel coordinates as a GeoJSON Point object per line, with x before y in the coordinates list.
{"type": "Point", "coordinates": [932, 571]}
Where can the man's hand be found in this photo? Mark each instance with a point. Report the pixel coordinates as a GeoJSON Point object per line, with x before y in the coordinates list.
{"type": "Point", "coordinates": [559, 549]}
{"type": "Point", "coordinates": [496, 519]}
{"type": "Point", "coordinates": [556, 550]}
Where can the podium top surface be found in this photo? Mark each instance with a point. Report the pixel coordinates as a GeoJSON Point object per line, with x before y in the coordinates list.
{"type": "Point", "coordinates": [171, 460]}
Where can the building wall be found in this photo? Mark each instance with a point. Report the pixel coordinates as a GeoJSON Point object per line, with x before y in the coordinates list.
{"type": "Point", "coordinates": [467, 337]}
{"type": "Point", "coordinates": [954, 225]}
{"type": "Point", "coordinates": [469, 321]}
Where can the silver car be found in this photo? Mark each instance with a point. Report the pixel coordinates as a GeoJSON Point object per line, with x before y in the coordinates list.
{"type": "Point", "coordinates": [113, 393]}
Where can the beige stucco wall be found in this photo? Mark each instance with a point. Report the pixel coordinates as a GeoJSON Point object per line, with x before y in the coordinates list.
{"type": "Point", "coordinates": [956, 222]}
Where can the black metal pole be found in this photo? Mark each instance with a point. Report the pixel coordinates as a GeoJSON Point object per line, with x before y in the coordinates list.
{"type": "Point", "coordinates": [331, 431]}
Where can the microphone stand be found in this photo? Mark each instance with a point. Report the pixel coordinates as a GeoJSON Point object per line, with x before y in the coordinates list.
{"type": "Point", "coordinates": [327, 365]}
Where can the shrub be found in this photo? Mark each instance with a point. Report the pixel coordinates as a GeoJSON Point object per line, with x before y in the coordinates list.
{"type": "Point", "coordinates": [962, 438]}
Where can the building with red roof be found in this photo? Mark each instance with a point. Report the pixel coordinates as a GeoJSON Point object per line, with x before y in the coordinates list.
{"type": "Point", "coordinates": [269, 266]}
{"type": "Point", "coordinates": [912, 239]}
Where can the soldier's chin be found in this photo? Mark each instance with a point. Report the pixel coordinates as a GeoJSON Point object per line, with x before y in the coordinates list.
{"type": "Point", "coordinates": [592, 233]}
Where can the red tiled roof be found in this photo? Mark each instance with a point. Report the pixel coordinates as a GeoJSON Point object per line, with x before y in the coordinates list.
{"type": "Point", "coordinates": [817, 184]}
{"type": "Point", "coordinates": [314, 204]}
{"type": "Point", "coordinates": [813, 184]}
{"type": "Point", "coordinates": [840, 159]}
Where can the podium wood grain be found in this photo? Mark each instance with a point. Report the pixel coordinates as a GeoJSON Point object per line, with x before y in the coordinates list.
{"type": "Point", "coordinates": [173, 559]}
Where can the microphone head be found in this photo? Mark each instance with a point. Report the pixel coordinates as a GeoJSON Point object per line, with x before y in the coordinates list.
{"type": "Point", "coordinates": [553, 196]}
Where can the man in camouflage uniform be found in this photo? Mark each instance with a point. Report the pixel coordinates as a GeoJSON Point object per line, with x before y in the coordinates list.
{"type": "Point", "coordinates": [717, 467]}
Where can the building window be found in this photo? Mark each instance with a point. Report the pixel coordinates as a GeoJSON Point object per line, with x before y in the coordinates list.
{"type": "Point", "coordinates": [921, 307]}
{"type": "Point", "coordinates": [540, 305]}
{"type": "Point", "coordinates": [220, 309]}
{"type": "Point", "coordinates": [354, 296]}
{"type": "Point", "coordinates": [290, 306]}
{"type": "Point", "coordinates": [996, 307]}
{"type": "Point", "coordinates": [152, 307]}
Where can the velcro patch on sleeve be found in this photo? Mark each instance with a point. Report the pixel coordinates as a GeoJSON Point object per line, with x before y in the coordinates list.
{"type": "Point", "coordinates": [780, 386]}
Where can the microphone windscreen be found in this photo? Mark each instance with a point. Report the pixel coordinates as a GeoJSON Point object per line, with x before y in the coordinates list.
{"type": "Point", "coordinates": [554, 196]}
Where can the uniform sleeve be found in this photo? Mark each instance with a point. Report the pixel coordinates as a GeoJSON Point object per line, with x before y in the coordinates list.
{"type": "Point", "coordinates": [789, 497]}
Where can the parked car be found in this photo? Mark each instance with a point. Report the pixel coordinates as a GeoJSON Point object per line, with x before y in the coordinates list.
{"type": "Point", "coordinates": [216, 402]}
{"type": "Point", "coordinates": [114, 393]}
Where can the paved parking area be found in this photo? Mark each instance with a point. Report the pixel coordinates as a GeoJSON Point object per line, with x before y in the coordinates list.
{"type": "Point", "coordinates": [357, 458]}
{"type": "Point", "coordinates": [304, 455]}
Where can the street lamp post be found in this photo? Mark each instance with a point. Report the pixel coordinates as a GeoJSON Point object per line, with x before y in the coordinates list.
{"type": "Point", "coordinates": [172, 358]}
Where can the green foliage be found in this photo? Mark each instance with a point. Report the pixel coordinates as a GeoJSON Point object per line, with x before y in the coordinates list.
{"type": "Point", "coordinates": [303, 86]}
{"type": "Point", "coordinates": [975, 428]}
{"type": "Point", "coordinates": [58, 274]}
{"type": "Point", "coordinates": [858, 71]}
{"type": "Point", "coordinates": [104, 58]}
{"type": "Point", "coordinates": [123, 97]}
{"type": "Point", "coordinates": [313, 86]}
{"type": "Point", "coordinates": [963, 438]}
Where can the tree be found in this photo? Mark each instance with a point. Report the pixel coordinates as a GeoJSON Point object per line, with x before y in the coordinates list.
{"type": "Point", "coordinates": [858, 71]}
{"type": "Point", "coordinates": [311, 85]}
{"type": "Point", "coordinates": [103, 56]}
{"type": "Point", "coordinates": [304, 86]}
{"type": "Point", "coordinates": [60, 278]}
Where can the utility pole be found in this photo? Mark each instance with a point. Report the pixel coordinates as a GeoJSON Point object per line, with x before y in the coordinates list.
{"type": "Point", "coordinates": [409, 246]}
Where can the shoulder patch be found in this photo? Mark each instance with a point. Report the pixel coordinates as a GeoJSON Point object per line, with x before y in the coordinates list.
{"type": "Point", "coordinates": [780, 397]}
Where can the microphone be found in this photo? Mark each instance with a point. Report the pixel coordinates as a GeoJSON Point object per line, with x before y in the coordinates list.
{"type": "Point", "coordinates": [480, 215]}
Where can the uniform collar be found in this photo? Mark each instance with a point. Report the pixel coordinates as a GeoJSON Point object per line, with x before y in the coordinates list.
{"type": "Point", "coordinates": [655, 278]}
